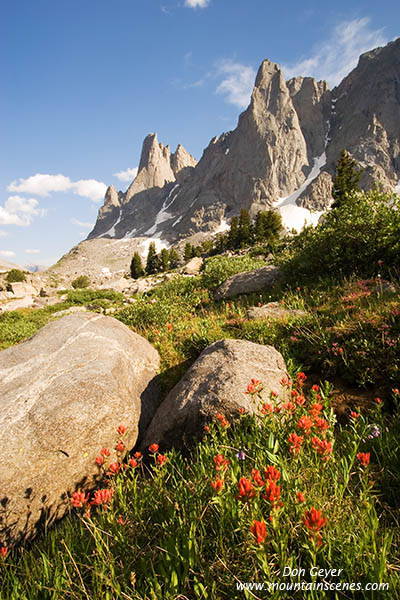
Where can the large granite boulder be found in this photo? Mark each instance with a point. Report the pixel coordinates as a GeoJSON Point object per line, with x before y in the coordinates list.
{"type": "Point", "coordinates": [63, 393]}
{"type": "Point", "coordinates": [215, 383]}
{"type": "Point", "coordinates": [248, 282]}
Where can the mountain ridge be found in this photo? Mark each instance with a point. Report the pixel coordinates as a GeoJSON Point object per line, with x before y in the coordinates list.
{"type": "Point", "coordinates": [281, 155]}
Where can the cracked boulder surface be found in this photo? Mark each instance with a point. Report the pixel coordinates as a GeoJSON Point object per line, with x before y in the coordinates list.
{"type": "Point", "coordinates": [63, 393]}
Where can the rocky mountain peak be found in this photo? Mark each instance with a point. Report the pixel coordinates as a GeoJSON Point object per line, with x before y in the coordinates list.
{"type": "Point", "coordinates": [311, 100]}
{"type": "Point", "coordinates": [281, 155]}
{"type": "Point", "coordinates": [112, 197]}
{"type": "Point", "coordinates": [181, 159]}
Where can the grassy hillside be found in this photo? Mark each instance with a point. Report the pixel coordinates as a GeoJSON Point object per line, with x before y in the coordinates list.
{"type": "Point", "coordinates": [313, 480]}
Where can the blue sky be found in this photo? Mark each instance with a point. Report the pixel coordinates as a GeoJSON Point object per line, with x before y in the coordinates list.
{"type": "Point", "coordinates": [84, 81]}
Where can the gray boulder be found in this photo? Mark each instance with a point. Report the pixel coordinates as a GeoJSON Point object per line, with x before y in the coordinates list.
{"type": "Point", "coordinates": [215, 383]}
{"type": "Point", "coordinates": [248, 282]}
{"type": "Point", "coordinates": [273, 310]}
{"type": "Point", "coordinates": [63, 393]}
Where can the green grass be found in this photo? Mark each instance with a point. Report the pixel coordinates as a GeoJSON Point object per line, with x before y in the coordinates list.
{"type": "Point", "coordinates": [167, 533]}
{"type": "Point", "coordinates": [180, 538]}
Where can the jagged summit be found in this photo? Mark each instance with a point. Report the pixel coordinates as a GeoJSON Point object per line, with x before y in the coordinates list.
{"type": "Point", "coordinates": [282, 154]}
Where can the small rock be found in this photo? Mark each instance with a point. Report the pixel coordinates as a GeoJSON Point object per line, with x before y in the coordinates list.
{"type": "Point", "coordinates": [193, 266]}
{"type": "Point", "coordinates": [273, 310]}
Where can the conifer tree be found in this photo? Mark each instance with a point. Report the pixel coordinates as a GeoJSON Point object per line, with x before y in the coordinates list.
{"type": "Point", "coordinates": [164, 260]}
{"type": "Point", "coordinates": [245, 229]}
{"type": "Point", "coordinates": [233, 235]}
{"type": "Point", "coordinates": [152, 264]}
{"type": "Point", "coordinates": [188, 252]}
{"type": "Point", "coordinates": [173, 258]}
{"type": "Point", "coordinates": [346, 179]}
{"type": "Point", "coordinates": [136, 266]}
{"type": "Point", "coordinates": [272, 224]}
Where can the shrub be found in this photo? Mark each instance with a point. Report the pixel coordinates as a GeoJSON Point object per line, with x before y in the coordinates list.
{"type": "Point", "coordinates": [81, 282]}
{"type": "Point", "coordinates": [15, 275]}
{"type": "Point", "coordinates": [361, 236]}
{"type": "Point", "coordinates": [88, 295]}
{"type": "Point", "coordinates": [218, 268]}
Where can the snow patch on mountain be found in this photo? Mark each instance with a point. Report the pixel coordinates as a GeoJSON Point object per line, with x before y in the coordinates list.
{"type": "Point", "coordinates": [163, 215]}
{"type": "Point", "coordinates": [223, 226]}
{"type": "Point", "coordinates": [111, 231]}
{"type": "Point", "coordinates": [159, 243]}
{"type": "Point", "coordinates": [294, 216]}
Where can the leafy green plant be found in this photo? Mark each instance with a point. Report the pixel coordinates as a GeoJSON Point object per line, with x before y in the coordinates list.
{"type": "Point", "coordinates": [15, 275]}
{"type": "Point", "coordinates": [218, 268]}
{"type": "Point", "coordinates": [281, 486]}
{"type": "Point", "coordinates": [361, 236]}
{"type": "Point", "coordinates": [81, 282]}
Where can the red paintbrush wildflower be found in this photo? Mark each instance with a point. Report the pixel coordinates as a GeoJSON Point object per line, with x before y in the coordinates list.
{"type": "Point", "coordinates": [363, 457]}
{"type": "Point", "coordinates": [259, 530]}
{"type": "Point", "coordinates": [314, 520]}
{"type": "Point", "coordinates": [246, 490]}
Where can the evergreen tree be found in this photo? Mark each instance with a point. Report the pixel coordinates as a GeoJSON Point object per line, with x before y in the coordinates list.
{"type": "Point", "coordinates": [346, 179]}
{"type": "Point", "coordinates": [164, 260]}
{"type": "Point", "coordinates": [196, 251]}
{"type": "Point", "coordinates": [233, 235]}
{"type": "Point", "coordinates": [272, 225]}
{"type": "Point", "coordinates": [221, 243]}
{"type": "Point", "coordinates": [245, 228]}
{"type": "Point", "coordinates": [207, 247]}
{"type": "Point", "coordinates": [173, 258]}
{"type": "Point", "coordinates": [188, 252]}
{"type": "Point", "coordinates": [153, 262]}
{"type": "Point", "coordinates": [136, 266]}
{"type": "Point", "coordinates": [259, 226]}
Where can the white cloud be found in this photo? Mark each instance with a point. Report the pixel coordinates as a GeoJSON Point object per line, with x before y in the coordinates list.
{"type": "Point", "coordinates": [20, 211]}
{"type": "Point", "coordinates": [7, 253]}
{"type": "Point", "coordinates": [238, 82]}
{"type": "Point", "coordinates": [197, 3]}
{"type": "Point", "coordinates": [334, 58]}
{"type": "Point", "coordinates": [89, 188]}
{"type": "Point", "coordinates": [43, 184]}
{"type": "Point", "coordinates": [81, 223]}
{"type": "Point", "coordinates": [32, 251]}
{"type": "Point", "coordinates": [127, 175]}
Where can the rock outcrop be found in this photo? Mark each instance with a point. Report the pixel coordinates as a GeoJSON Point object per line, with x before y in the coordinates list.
{"type": "Point", "coordinates": [248, 282]}
{"type": "Point", "coordinates": [63, 393]}
{"type": "Point", "coordinates": [215, 383]}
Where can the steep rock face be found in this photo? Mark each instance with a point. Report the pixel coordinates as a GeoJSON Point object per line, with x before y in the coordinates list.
{"type": "Point", "coordinates": [109, 212]}
{"type": "Point", "coordinates": [129, 214]}
{"type": "Point", "coordinates": [154, 167]}
{"type": "Point", "coordinates": [250, 167]}
{"type": "Point", "coordinates": [311, 100]}
{"type": "Point", "coordinates": [366, 116]}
